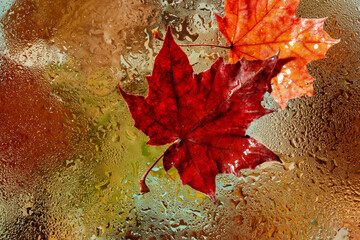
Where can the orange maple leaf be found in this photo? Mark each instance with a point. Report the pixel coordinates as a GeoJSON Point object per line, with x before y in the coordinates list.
{"type": "Point", "coordinates": [257, 29]}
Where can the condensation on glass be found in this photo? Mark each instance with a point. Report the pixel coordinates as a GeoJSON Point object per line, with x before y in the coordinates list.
{"type": "Point", "coordinates": [70, 158]}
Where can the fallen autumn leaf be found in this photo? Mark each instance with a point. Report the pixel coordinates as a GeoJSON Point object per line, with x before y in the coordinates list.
{"type": "Point", "coordinates": [204, 115]}
{"type": "Point", "coordinates": [258, 29]}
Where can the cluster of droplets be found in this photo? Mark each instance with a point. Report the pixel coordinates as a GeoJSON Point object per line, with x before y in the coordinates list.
{"type": "Point", "coordinates": [88, 46]}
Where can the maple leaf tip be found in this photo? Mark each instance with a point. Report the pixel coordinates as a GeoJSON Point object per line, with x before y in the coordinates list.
{"type": "Point", "coordinates": [218, 17]}
{"type": "Point", "coordinates": [274, 58]}
{"type": "Point", "coordinates": [122, 92]}
{"type": "Point", "coordinates": [168, 33]}
{"type": "Point", "coordinates": [277, 53]}
{"type": "Point", "coordinates": [212, 197]}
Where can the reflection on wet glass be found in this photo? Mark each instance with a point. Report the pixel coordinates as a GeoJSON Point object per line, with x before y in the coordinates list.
{"type": "Point", "coordinates": [71, 158]}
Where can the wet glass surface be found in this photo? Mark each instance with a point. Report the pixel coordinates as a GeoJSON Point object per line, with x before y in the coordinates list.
{"type": "Point", "coordinates": [71, 159]}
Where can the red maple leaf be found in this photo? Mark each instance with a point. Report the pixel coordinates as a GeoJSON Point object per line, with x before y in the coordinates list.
{"type": "Point", "coordinates": [204, 115]}
{"type": "Point", "coordinates": [257, 29]}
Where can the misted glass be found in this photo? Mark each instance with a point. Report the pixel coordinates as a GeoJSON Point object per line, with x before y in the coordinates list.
{"type": "Point", "coordinates": [71, 158]}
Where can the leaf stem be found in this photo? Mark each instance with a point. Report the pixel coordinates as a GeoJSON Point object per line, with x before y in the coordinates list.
{"type": "Point", "coordinates": [156, 35]}
{"type": "Point", "coordinates": [143, 187]}
{"type": "Point", "coordinates": [204, 45]}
